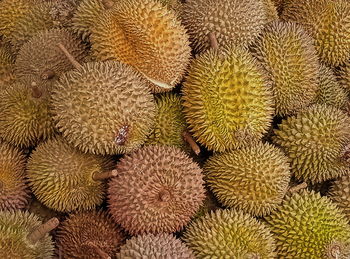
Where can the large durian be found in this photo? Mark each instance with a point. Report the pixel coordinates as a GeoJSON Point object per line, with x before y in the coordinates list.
{"type": "Point", "coordinates": [227, 102]}
{"type": "Point", "coordinates": [309, 226]}
{"type": "Point", "coordinates": [252, 179]}
{"type": "Point", "coordinates": [157, 189]}
{"type": "Point", "coordinates": [317, 142]}
{"type": "Point", "coordinates": [229, 234]}
{"type": "Point", "coordinates": [7, 60]}
{"type": "Point", "coordinates": [340, 194]}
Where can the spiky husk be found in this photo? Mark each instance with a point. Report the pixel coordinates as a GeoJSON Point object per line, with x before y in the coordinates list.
{"type": "Point", "coordinates": [317, 142]}
{"type": "Point", "coordinates": [14, 193]}
{"type": "Point", "coordinates": [227, 103]}
{"type": "Point", "coordinates": [229, 234]}
{"type": "Point", "coordinates": [158, 189]}
{"type": "Point", "coordinates": [40, 210]}
{"type": "Point", "coordinates": [286, 52]}
{"type": "Point", "coordinates": [81, 232]}
{"type": "Point", "coordinates": [309, 226]}
{"type": "Point", "coordinates": [103, 108]}
{"type": "Point", "coordinates": [7, 60]}
{"type": "Point", "coordinates": [61, 177]}
{"type": "Point", "coordinates": [340, 194]}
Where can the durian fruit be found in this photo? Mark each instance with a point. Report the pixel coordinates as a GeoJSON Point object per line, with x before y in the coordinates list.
{"type": "Point", "coordinates": [253, 179]}
{"type": "Point", "coordinates": [14, 193]}
{"type": "Point", "coordinates": [343, 76]}
{"type": "Point", "coordinates": [23, 236]}
{"type": "Point", "coordinates": [229, 234]}
{"type": "Point", "coordinates": [157, 189]}
{"type": "Point", "coordinates": [40, 60]}
{"type": "Point", "coordinates": [89, 235]}
{"type": "Point", "coordinates": [7, 60]}
{"type": "Point", "coordinates": [316, 141]}
{"type": "Point", "coordinates": [40, 210]}
{"type": "Point", "coordinates": [146, 35]}
{"type": "Point", "coordinates": [309, 226]}
{"type": "Point", "coordinates": [155, 246]}
{"type": "Point", "coordinates": [328, 22]}
{"type": "Point", "coordinates": [232, 21]}
{"type": "Point", "coordinates": [286, 52]}
{"type": "Point", "coordinates": [227, 102]}
{"type": "Point", "coordinates": [63, 11]}
{"type": "Point", "coordinates": [65, 179]}
{"type": "Point", "coordinates": [25, 117]}
{"type": "Point", "coordinates": [340, 194]}
{"type": "Point", "coordinates": [270, 10]}
{"type": "Point", "coordinates": [103, 108]}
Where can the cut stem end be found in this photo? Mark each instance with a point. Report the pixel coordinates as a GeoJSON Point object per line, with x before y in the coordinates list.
{"type": "Point", "coordinates": [188, 138]}
{"type": "Point", "coordinates": [297, 187]}
{"type": "Point", "coordinates": [69, 56]}
{"type": "Point", "coordinates": [42, 230]}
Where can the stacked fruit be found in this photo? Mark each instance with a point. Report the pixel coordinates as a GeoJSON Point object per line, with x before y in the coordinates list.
{"type": "Point", "coordinates": [174, 129]}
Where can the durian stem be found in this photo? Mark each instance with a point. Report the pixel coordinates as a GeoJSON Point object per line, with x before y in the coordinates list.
{"type": "Point", "coordinates": [48, 74]}
{"type": "Point", "coordinates": [98, 250]}
{"type": "Point", "coordinates": [104, 175]}
{"type": "Point", "coordinates": [36, 93]}
{"type": "Point", "coordinates": [69, 56]}
{"type": "Point", "coordinates": [213, 41]}
{"type": "Point", "coordinates": [164, 195]}
{"type": "Point", "coordinates": [42, 230]}
{"type": "Point", "coordinates": [297, 187]}
{"type": "Point", "coordinates": [107, 3]}
{"type": "Point", "coordinates": [122, 135]}
{"type": "Point", "coordinates": [188, 138]}
{"type": "Point", "coordinates": [335, 251]}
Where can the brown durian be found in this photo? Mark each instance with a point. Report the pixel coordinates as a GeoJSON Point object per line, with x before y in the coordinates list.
{"type": "Point", "coordinates": [7, 60]}
{"type": "Point", "coordinates": [340, 194]}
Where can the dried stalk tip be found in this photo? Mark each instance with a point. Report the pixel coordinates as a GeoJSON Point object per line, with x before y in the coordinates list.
{"type": "Point", "coordinates": [99, 251]}
{"type": "Point", "coordinates": [36, 93]}
{"type": "Point", "coordinates": [334, 250]}
{"type": "Point", "coordinates": [188, 138]}
{"type": "Point", "coordinates": [107, 3]}
{"type": "Point", "coordinates": [48, 74]}
{"type": "Point", "coordinates": [122, 135]}
{"type": "Point", "coordinates": [104, 175]}
{"type": "Point", "coordinates": [213, 41]}
{"type": "Point", "coordinates": [164, 195]}
{"type": "Point", "coordinates": [42, 230]}
{"type": "Point", "coordinates": [297, 187]}
{"type": "Point", "coordinates": [69, 56]}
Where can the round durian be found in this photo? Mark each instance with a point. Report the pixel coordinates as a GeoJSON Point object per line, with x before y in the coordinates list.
{"type": "Point", "coordinates": [155, 246]}
{"type": "Point", "coordinates": [146, 35]}
{"type": "Point", "coordinates": [63, 178]}
{"type": "Point", "coordinates": [41, 61]}
{"type": "Point", "coordinates": [286, 52]}
{"type": "Point", "coordinates": [103, 108]}
{"type": "Point", "coordinates": [227, 102]}
{"type": "Point", "coordinates": [328, 22]}
{"type": "Point", "coordinates": [229, 234]}
{"type": "Point", "coordinates": [18, 238]}
{"type": "Point", "coordinates": [7, 60]}
{"type": "Point", "coordinates": [157, 189]}
{"type": "Point", "coordinates": [309, 226]}
{"type": "Point", "coordinates": [14, 193]}
{"type": "Point", "coordinates": [316, 141]}
{"type": "Point", "coordinates": [25, 117]}
{"type": "Point", "coordinates": [232, 21]}
{"type": "Point", "coordinates": [89, 235]}
{"type": "Point", "coordinates": [253, 179]}
{"type": "Point", "coordinates": [340, 194]}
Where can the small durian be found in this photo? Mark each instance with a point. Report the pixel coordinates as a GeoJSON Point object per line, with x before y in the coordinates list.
{"type": "Point", "coordinates": [23, 236]}
{"type": "Point", "coordinates": [253, 179]}
{"type": "Point", "coordinates": [89, 235]}
{"type": "Point", "coordinates": [25, 117]}
{"type": "Point", "coordinates": [155, 246]}
{"type": "Point", "coordinates": [229, 234]}
{"type": "Point", "coordinates": [227, 101]}
{"type": "Point", "coordinates": [146, 35]}
{"type": "Point", "coordinates": [157, 189]}
{"type": "Point", "coordinates": [316, 141]}
{"type": "Point", "coordinates": [340, 194]}
{"type": "Point", "coordinates": [290, 60]}
{"type": "Point", "coordinates": [308, 226]}
{"type": "Point", "coordinates": [65, 179]}
{"type": "Point", "coordinates": [14, 193]}
{"type": "Point", "coordinates": [7, 60]}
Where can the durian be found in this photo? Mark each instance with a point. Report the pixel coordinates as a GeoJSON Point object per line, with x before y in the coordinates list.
{"type": "Point", "coordinates": [309, 226]}
{"type": "Point", "coordinates": [316, 141]}
{"type": "Point", "coordinates": [229, 234]}
{"type": "Point", "coordinates": [340, 194]}
{"type": "Point", "coordinates": [7, 60]}
{"type": "Point", "coordinates": [252, 179]}
{"type": "Point", "coordinates": [155, 246]}
{"type": "Point", "coordinates": [343, 76]}
{"type": "Point", "coordinates": [157, 189]}
{"type": "Point", "coordinates": [65, 179]}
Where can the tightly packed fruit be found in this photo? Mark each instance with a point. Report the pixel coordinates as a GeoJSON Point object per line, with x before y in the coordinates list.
{"type": "Point", "coordinates": [174, 129]}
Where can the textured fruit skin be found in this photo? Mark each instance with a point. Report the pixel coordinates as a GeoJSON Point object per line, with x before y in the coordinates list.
{"type": "Point", "coordinates": [24, 120]}
{"type": "Point", "coordinates": [146, 35]}
{"type": "Point", "coordinates": [155, 246]}
{"type": "Point", "coordinates": [40, 210]}
{"type": "Point", "coordinates": [229, 234]}
{"type": "Point", "coordinates": [286, 52]}
{"type": "Point", "coordinates": [306, 226]}
{"type": "Point", "coordinates": [14, 193]}
{"type": "Point", "coordinates": [227, 103]}
{"type": "Point", "coordinates": [103, 108]}
{"type": "Point", "coordinates": [328, 22]}
{"type": "Point", "coordinates": [79, 229]}
{"type": "Point", "coordinates": [316, 142]}
{"type": "Point", "coordinates": [7, 60]}
{"type": "Point", "coordinates": [340, 194]}
{"type": "Point", "coordinates": [41, 55]}
{"type": "Point", "coordinates": [15, 226]}
{"type": "Point", "coordinates": [252, 179]}
{"type": "Point", "coordinates": [343, 77]}
{"type": "Point", "coordinates": [158, 189]}
{"type": "Point", "coordinates": [61, 176]}
{"type": "Point", "coordinates": [232, 21]}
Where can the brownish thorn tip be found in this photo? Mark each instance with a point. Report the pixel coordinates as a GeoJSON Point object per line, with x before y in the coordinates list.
{"type": "Point", "coordinates": [188, 138]}
{"type": "Point", "coordinates": [213, 41]}
{"type": "Point", "coordinates": [69, 56]}
{"type": "Point", "coordinates": [36, 93]}
{"type": "Point", "coordinates": [42, 230]}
